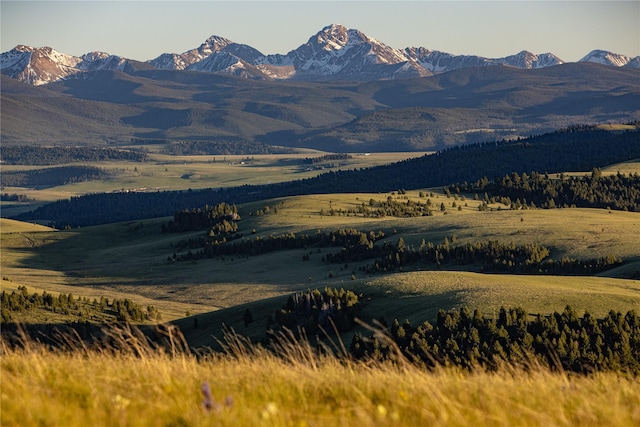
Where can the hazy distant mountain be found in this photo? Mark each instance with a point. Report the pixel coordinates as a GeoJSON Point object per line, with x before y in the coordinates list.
{"type": "Point", "coordinates": [334, 53]}
{"type": "Point", "coordinates": [609, 58]}
{"type": "Point", "coordinates": [440, 62]}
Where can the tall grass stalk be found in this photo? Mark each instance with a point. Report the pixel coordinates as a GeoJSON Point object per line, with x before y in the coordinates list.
{"type": "Point", "coordinates": [154, 385]}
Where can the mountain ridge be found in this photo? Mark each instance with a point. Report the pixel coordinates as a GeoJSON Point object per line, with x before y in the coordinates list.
{"type": "Point", "coordinates": [334, 53]}
{"type": "Point", "coordinates": [153, 106]}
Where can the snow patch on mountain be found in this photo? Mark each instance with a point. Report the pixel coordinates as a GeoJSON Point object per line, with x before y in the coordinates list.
{"type": "Point", "coordinates": [606, 58]}
{"type": "Point", "coordinates": [37, 66]}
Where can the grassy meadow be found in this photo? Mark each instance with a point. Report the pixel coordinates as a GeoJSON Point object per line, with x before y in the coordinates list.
{"type": "Point", "coordinates": [297, 388]}
{"type": "Point", "coordinates": [145, 385]}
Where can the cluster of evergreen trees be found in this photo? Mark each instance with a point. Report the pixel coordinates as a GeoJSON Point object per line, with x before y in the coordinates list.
{"type": "Point", "coordinates": [237, 245]}
{"type": "Point", "coordinates": [356, 246]}
{"type": "Point", "coordinates": [45, 156]}
{"type": "Point", "coordinates": [327, 158]}
{"type": "Point", "coordinates": [121, 310]}
{"type": "Point", "coordinates": [492, 255]}
{"type": "Point", "coordinates": [469, 339]}
{"type": "Point", "coordinates": [221, 218]}
{"type": "Point", "coordinates": [621, 192]}
{"type": "Point", "coordinates": [388, 207]}
{"type": "Point", "coordinates": [329, 310]}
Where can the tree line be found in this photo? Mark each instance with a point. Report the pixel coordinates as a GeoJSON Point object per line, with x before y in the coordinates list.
{"type": "Point", "coordinates": [235, 146]}
{"type": "Point", "coordinates": [46, 156]}
{"type": "Point", "coordinates": [577, 150]}
{"type": "Point", "coordinates": [388, 207]}
{"type": "Point", "coordinates": [119, 310]}
{"type": "Point", "coordinates": [14, 197]}
{"type": "Point", "coordinates": [562, 341]}
{"type": "Point", "coordinates": [490, 255]}
{"type": "Point", "coordinates": [619, 191]}
{"type": "Point", "coordinates": [327, 158]}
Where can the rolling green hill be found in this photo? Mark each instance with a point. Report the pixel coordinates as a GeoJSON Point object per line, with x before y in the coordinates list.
{"type": "Point", "coordinates": [131, 259]}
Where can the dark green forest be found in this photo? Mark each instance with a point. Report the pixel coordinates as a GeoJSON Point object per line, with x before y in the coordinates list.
{"type": "Point", "coordinates": [620, 192]}
{"type": "Point", "coordinates": [236, 146]}
{"type": "Point", "coordinates": [47, 156]}
{"type": "Point", "coordinates": [467, 339]}
{"type": "Point", "coordinates": [576, 149]}
{"type": "Point", "coordinates": [317, 312]}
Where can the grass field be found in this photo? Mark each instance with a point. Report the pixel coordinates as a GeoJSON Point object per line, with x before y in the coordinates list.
{"type": "Point", "coordinates": [144, 387]}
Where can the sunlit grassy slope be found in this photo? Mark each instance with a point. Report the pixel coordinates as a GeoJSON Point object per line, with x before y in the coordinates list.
{"type": "Point", "coordinates": [151, 389]}
{"type": "Point", "coordinates": [131, 259]}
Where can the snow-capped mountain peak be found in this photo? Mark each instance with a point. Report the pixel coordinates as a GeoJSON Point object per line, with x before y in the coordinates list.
{"type": "Point", "coordinates": [606, 58]}
{"type": "Point", "coordinates": [336, 52]}
{"type": "Point", "coordinates": [37, 66]}
{"type": "Point", "coordinates": [212, 46]}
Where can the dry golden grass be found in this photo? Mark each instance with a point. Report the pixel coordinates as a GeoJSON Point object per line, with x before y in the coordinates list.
{"type": "Point", "coordinates": [144, 387]}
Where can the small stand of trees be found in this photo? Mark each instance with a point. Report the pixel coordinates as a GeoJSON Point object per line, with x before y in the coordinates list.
{"type": "Point", "coordinates": [221, 218]}
{"type": "Point", "coordinates": [328, 311]}
{"type": "Point", "coordinates": [119, 310]}
{"type": "Point", "coordinates": [388, 207]}
{"type": "Point", "coordinates": [51, 177]}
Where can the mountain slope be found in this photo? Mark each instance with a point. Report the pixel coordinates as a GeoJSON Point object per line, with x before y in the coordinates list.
{"type": "Point", "coordinates": [463, 106]}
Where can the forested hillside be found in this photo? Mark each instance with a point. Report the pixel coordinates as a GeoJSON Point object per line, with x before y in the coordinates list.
{"type": "Point", "coordinates": [37, 155]}
{"type": "Point", "coordinates": [576, 149]}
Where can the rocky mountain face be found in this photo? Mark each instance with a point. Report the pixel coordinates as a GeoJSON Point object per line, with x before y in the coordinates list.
{"type": "Point", "coordinates": [334, 53]}
{"type": "Point", "coordinates": [38, 66]}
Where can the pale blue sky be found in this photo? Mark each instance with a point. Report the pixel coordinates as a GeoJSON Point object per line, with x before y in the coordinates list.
{"type": "Point", "coordinates": [143, 30]}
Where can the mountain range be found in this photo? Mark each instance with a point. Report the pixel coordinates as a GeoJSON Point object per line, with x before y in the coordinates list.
{"type": "Point", "coordinates": [334, 53]}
